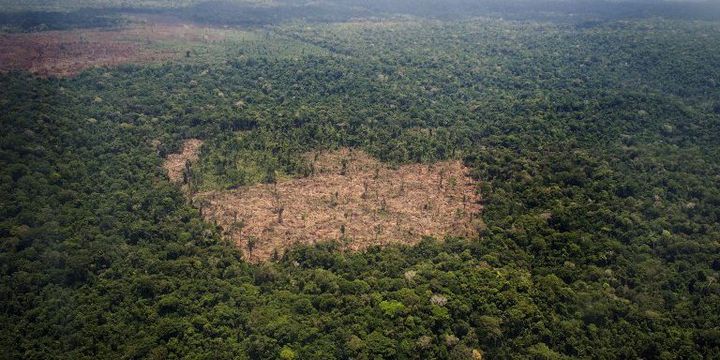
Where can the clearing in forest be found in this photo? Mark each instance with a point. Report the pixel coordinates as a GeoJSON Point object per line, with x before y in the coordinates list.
{"type": "Point", "coordinates": [67, 52]}
{"type": "Point", "coordinates": [175, 164]}
{"type": "Point", "coordinates": [350, 197]}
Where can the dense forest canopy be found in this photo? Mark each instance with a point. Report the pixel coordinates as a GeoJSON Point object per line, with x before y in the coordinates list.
{"type": "Point", "coordinates": [590, 132]}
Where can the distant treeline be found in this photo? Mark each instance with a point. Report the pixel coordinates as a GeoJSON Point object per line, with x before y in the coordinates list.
{"type": "Point", "coordinates": [595, 152]}
{"type": "Point", "coordinates": [547, 9]}
{"type": "Point", "coordinates": [232, 13]}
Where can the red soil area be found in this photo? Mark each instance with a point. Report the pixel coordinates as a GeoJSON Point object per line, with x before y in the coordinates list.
{"type": "Point", "coordinates": [66, 53]}
{"type": "Point", "coordinates": [361, 203]}
{"type": "Point", "coordinates": [175, 163]}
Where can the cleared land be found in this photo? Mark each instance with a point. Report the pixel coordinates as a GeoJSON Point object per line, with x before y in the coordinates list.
{"type": "Point", "coordinates": [66, 53]}
{"type": "Point", "coordinates": [351, 197]}
{"type": "Point", "coordinates": [175, 163]}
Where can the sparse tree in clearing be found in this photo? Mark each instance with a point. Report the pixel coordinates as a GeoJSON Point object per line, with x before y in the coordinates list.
{"type": "Point", "coordinates": [279, 207]}
{"type": "Point", "coordinates": [186, 172]}
{"type": "Point", "coordinates": [202, 204]}
{"type": "Point", "coordinates": [335, 199]}
{"type": "Point", "coordinates": [236, 227]}
{"type": "Point", "coordinates": [343, 166]}
{"type": "Point", "coordinates": [270, 177]}
{"type": "Point", "coordinates": [280, 211]}
{"type": "Point", "coordinates": [251, 243]}
{"type": "Point", "coordinates": [441, 178]}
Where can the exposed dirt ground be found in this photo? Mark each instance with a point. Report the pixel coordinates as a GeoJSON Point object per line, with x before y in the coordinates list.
{"type": "Point", "coordinates": [66, 53]}
{"type": "Point", "coordinates": [175, 163]}
{"type": "Point", "coordinates": [361, 203]}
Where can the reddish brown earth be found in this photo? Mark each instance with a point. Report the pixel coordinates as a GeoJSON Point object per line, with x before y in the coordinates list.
{"type": "Point", "coordinates": [367, 204]}
{"type": "Point", "coordinates": [66, 53]}
{"type": "Point", "coordinates": [175, 163]}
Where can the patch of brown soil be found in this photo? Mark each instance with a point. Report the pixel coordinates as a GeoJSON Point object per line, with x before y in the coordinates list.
{"type": "Point", "coordinates": [66, 53]}
{"type": "Point", "coordinates": [351, 197]}
{"type": "Point", "coordinates": [175, 163]}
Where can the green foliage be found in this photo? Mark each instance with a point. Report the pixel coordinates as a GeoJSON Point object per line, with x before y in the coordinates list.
{"type": "Point", "coordinates": [391, 308]}
{"type": "Point", "coordinates": [287, 354]}
{"type": "Point", "coordinates": [595, 149]}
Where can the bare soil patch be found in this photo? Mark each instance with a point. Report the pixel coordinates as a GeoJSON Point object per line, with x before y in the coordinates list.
{"type": "Point", "coordinates": [66, 53]}
{"type": "Point", "coordinates": [351, 197]}
{"type": "Point", "coordinates": [175, 164]}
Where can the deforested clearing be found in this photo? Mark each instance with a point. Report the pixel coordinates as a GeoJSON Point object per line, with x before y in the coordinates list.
{"type": "Point", "coordinates": [175, 164]}
{"type": "Point", "coordinates": [351, 198]}
{"type": "Point", "coordinates": [68, 52]}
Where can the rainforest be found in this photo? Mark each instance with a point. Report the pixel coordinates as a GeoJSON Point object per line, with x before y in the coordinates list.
{"type": "Point", "coordinates": [359, 179]}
